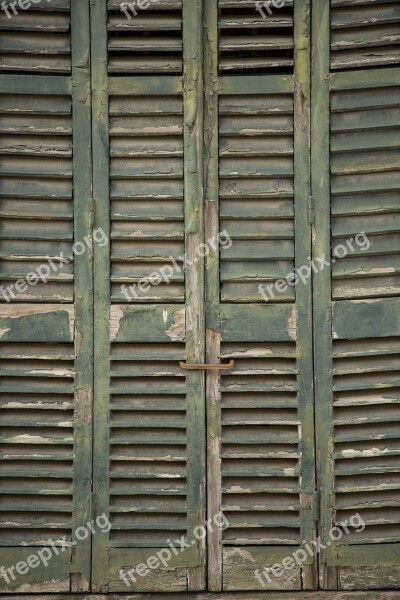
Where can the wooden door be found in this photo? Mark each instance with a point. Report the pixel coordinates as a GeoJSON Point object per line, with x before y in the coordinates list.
{"type": "Point", "coordinates": [46, 303]}
{"type": "Point", "coordinates": [151, 148]}
{"type": "Point", "coordinates": [356, 180]}
{"type": "Point", "coordinates": [149, 430]}
{"type": "Point", "coordinates": [189, 135]}
{"type": "Point", "coordinates": [260, 414]}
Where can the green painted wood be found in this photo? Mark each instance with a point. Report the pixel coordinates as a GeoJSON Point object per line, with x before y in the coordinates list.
{"type": "Point", "coordinates": [35, 84]}
{"type": "Point", "coordinates": [154, 323]}
{"type": "Point", "coordinates": [366, 318]}
{"type": "Point", "coordinates": [137, 334]}
{"type": "Point", "coordinates": [83, 292]}
{"type": "Point", "coordinates": [145, 85]}
{"type": "Point", "coordinates": [322, 285]}
{"type": "Point", "coordinates": [364, 80]}
{"type": "Point", "coordinates": [213, 325]}
{"type": "Point", "coordinates": [302, 192]}
{"type": "Point", "coordinates": [195, 318]}
{"type": "Point", "coordinates": [356, 324]}
{"type": "Point", "coordinates": [258, 322]}
{"type": "Point", "coordinates": [37, 323]}
{"type": "Point", "coordinates": [48, 344]}
{"type": "Point", "coordinates": [255, 84]}
{"type": "Point", "coordinates": [101, 434]}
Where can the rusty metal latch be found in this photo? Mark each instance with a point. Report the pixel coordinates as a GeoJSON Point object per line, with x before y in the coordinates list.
{"type": "Point", "coordinates": [201, 367]}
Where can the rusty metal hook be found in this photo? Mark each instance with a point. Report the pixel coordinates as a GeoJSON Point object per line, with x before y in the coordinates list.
{"type": "Point", "coordinates": [203, 367]}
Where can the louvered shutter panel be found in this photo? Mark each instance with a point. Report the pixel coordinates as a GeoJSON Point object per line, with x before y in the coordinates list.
{"type": "Point", "coordinates": [149, 418]}
{"type": "Point", "coordinates": [364, 33]}
{"type": "Point", "coordinates": [46, 380]}
{"type": "Point", "coordinates": [260, 420]}
{"type": "Point", "coordinates": [37, 39]}
{"type": "Point", "coordinates": [255, 41]}
{"type": "Point", "coordinates": [357, 180]}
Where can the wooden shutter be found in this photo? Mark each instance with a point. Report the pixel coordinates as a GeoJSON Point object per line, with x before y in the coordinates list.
{"type": "Point", "coordinates": [149, 435]}
{"type": "Point", "coordinates": [356, 189]}
{"type": "Point", "coordinates": [364, 33]}
{"type": "Point", "coordinates": [250, 41]}
{"type": "Point", "coordinates": [46, 378]}
{"type": "Point", "coordinates": [260, 414]}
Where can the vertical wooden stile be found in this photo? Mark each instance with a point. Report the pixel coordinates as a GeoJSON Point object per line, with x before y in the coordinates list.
{"type": "Point", "coordinates": [194, 237]}
{"type": "Point", "coordinates": [213, 326]}
{"type": "Point", "coordinates": [101, 287]}
{"type": "Point", "coordinates": [83, 229]}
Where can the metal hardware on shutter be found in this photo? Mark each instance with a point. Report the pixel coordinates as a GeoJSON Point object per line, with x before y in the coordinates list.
{"type": "Point", "coordinates": [201, 367]}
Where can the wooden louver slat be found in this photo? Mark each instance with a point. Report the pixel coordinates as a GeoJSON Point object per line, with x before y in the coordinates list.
{"type": "Point", "coordinates": [254, 42]}
{"type": "Point", "coordinates": [36, 40]}
{"type": "Point", "coordinates": [46, 326]}
{"type": "Point", "coordinates": [365, 178]}
{"type": "Point", "coordinates": [146, 170]}
{"type": "Point", "coordinates": [356, 181]}
{"type": "Point", "coordinates": [148, 444]}
{"type": "Point", "coordinates": [256, 193]}
{"type": "Point", "coordinates": [36, 192]}
{"type": "Point", "coordinates": [145, 41]}
{"type": "Point", "coordinates": [365, 33]}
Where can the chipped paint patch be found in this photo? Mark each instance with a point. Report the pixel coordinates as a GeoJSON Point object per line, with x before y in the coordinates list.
{"type": "Point", "coordinates": [176, 332]}
{"type": "Point", "coordinates": [38, 439]}
{"type": "Point", "coordinates": [84, 405]}
{"type": "Point", "coordinates": [4, 331]}
{"type": "Point", "coordinates": [366, 453]}
{"type": "Point", "coordinates": [55, 372]}
{"type": "Point", "coordinates": [292, 324]}
{"type": "Point", "coordinates": [51, 586]}
{"type": "Point", "coordinates": [289, 472]}
{"type": "Point", "coordinates": [116, 314]}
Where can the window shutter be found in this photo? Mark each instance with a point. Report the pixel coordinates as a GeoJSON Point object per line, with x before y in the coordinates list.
{"type": "Point", "coordinates": [38, 39]}
{"type": "Point", "coordinates": [148, 42]}
{"type": "Point", "coordinates": [149, 418]}
{"type": "Point", "coordinates": [364, 33]}
{"type": "Point", "coordinates": [356, 353]}
{"type": "Point", "coordinates": [255, 41]}
{"type": "Point", "coordinates": [46, 379]}
{"type": "Point", "coordinates": [257, 190]}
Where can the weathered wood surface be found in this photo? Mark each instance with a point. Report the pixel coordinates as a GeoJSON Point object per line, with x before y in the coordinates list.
{"type": "Point", "coordinates": [372, 595]}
